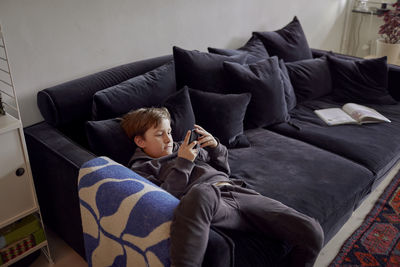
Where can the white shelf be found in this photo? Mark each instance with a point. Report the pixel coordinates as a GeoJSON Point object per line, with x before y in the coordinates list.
{"type": "Point", "coordinates": [8, 123]}
{"type": "Point", "coordinates": [26, 253]}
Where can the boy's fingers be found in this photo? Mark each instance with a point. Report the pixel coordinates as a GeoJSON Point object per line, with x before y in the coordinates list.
{"type": "Point", "coordinates": [186, 140]}
{"type": "Point", "coordinates": [192, 144]}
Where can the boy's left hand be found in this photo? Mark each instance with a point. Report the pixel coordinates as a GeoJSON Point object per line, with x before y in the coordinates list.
{"type": "Point", "coordinates": [205, 139]}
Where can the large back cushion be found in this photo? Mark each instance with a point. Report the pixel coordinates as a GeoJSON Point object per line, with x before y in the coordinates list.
{"type": "Point", "coordinates": [67, 106]}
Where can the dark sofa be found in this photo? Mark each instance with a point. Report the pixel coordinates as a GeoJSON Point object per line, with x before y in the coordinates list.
{"type": "Point", "coordinates": [324, 172]}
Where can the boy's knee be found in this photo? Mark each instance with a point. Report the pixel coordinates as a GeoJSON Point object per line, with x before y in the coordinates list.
{"type": "Point", "coordinates": [200, 197]}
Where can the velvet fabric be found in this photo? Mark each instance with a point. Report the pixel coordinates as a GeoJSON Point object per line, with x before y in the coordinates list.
{"type": "Point", "coordinates": [202, 71]}
{"type": "Point", "coordinates": [375, 146]}
{"type": "Point", "coordinates": [144, 90]}
{"type": "Point", "coordinates": [301, 176]}
{"type": "Point", "coordinates": [222, 115]}
{"type": "Point", "coordinates": [288, 43]}
{"type": "Point", "coordinates": [107, 138]}
{"type": "Point", "coordinates": [363, 81]}
{"type": "Point", "coordinates": [182, 116]}
{"type": "Point", "coordinates": [254, 48]}
{"type": "Point", "coordinates": [311, 78]}
{"type": "Point", "coordinates": [290, 95]}
{"type": "Point", "coordinates": [263, 80]}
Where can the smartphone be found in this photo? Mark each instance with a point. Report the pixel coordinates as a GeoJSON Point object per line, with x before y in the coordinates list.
{"type": "Point", "coordinates": [193, 136]}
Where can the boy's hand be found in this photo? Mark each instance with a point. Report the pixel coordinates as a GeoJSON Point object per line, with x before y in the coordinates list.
{"type": "Point", "coordinates": [186, 150]}
{"type": "Point", "coordinates": [206, 139]}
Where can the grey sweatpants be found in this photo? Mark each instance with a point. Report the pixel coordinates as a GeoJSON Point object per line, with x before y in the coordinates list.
{"type": "Point", "coordinates": [234, 207]}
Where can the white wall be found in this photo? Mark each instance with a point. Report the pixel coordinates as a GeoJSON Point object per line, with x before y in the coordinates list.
{"type": "Point", "coordinates": [53, 41]}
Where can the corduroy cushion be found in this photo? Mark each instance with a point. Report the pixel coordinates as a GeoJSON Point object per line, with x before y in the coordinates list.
{"type": "Point", "coordinates": [263, 81]}
{"type": "Point", "coordinates": [288, 43]}
{"type": "Point", "coordinates": [202, 71]}
{"type": "Point", "coordinates": [149, 89]}
{"type": "Point", "coordinates": [254, 48]}
{"type": "Point", "coordinates": [363, 81]}
{"type": "Point", "coordinates": [221, 115]}
{"type": "Point", "coordinates": [311, 78]}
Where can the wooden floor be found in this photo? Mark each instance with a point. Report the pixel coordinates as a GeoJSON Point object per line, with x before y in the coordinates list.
{"type": "Point", "coordinates": [64, 256]}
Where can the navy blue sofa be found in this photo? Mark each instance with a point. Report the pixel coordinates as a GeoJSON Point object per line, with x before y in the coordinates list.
{"type": "Point", "coordinates": [324, 172]}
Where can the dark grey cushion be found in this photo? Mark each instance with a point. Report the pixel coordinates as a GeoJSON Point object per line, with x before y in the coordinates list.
{"type": "Point", "coordinates": [254, 48]}
{"type": "Point", "coordinates": [222, 115]}
{"type": "Point", "coordinates": [363, 81]}
{"type": "Point", "coordinates": [107, 138]}
{"type": "Point", "coordinates": [311, 78]}
{"type": "Point", "coordinates": [288, 43]}
{"type": "Point", "coordinates": [374, 146]}
{"type": "Point", "coordinates": [302, 176]}
{"type": "Point", "coordinates": [290, 95]}
{"type": "Point", "coordinates": [202, 71]}
{"type": "Point", "coordinates": [263, 81]}
{"type": "Point", "coordinates": [182, 116]}
{"type": "Point", "coordinates": [149, 89]}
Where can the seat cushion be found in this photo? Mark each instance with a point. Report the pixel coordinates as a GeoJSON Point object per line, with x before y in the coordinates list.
{"type": "Point", "coordinates": [375, 146]}
{"type": "Point", "coordinates": [302, 176]}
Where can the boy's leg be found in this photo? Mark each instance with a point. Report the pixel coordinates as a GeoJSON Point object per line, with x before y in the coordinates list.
{"type": "Point", "coordinates": [279, 221]}
{"type": "Point", "coordinates": [191, 225]}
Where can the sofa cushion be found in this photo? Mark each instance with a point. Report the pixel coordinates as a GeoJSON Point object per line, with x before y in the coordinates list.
{"type": "Point", "coordinates": [290, 95]}
{"type": "Point", "coordinates": [362, 81]}
{"type": "Point", "coordinates": [222, 115]}
{"type": "Point", "coordinates": [302, 176]}
{"type": "Point", "coordinates": [182, 116]}
{"type": "Point", "coordinates": [202, 71]}
{"type": "Point", "coordinates": [263, 80]}
{"type": "Point", "coordinates": [107, 138]}
{"type": "Point", "coordinates": [254, 48]}
{"type": "Point", "coordinates": [311, 78]}
{"type": "Point", "coordinates": [288, 43]}
{"type": "Point", "coordinates": [145, 90]}
{"type": "Point", "coordinates": [375, 146]}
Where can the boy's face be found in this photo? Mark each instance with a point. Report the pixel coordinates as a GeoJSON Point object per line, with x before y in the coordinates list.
{"type": "Point", "coordinates": [157, 141]}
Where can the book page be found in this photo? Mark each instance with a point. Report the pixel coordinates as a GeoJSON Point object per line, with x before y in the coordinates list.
{"type": "Point", "coordinates": [363, 114]}
{"type": "Point", "coordinates": [334, 116]}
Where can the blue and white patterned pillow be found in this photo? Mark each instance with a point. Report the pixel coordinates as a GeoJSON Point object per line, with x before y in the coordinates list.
{"type": "Point", "coordinates": [126, 219]}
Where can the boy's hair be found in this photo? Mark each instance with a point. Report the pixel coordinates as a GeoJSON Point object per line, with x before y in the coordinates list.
{"type": "Point", "coordinates": [137, 122]}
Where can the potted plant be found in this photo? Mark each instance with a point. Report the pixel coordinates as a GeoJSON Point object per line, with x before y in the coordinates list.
{"type": "Point", "coordinates": [389, 43]}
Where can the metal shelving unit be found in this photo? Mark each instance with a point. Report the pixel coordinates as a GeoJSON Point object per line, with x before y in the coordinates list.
{"type": "Point", "coordinates": [17, 192]}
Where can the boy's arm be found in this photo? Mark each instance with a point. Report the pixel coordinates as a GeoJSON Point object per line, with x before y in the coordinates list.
{"type": "Point", "coordinates": [214, 153]}
{"type": "Point", "coordinates": [218, 158]}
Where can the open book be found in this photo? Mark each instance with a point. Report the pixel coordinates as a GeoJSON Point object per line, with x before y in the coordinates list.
{"type": "Point", "coordinates": [350, 113]}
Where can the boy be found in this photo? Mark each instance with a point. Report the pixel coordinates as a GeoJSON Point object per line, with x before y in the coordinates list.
{"type": "Point", "coordinates": [200, 178]}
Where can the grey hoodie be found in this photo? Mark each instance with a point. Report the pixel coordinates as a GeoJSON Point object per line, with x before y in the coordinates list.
{"type": "Point", "coordinates": [177, 175]}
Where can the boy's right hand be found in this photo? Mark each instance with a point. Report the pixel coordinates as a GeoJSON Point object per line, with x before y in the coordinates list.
{"type": "Point", "coordinates": [186, 150]}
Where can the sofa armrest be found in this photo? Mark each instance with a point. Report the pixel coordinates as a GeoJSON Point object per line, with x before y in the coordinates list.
{"type": "Point", "coordinates": [123, 215]}
{"type": "Point", "coordinates": [55, 161]}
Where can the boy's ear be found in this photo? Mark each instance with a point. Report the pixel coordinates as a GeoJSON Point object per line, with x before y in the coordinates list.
{"type": "Point", "coordinates": [139, 141]}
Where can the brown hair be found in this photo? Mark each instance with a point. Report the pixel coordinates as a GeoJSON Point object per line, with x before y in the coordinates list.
{"type": "Point", "coordinates": [137, 122]}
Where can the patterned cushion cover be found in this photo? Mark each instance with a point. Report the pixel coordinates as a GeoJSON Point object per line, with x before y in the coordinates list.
{"type": "Point", "coordinates": [126, 219]}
